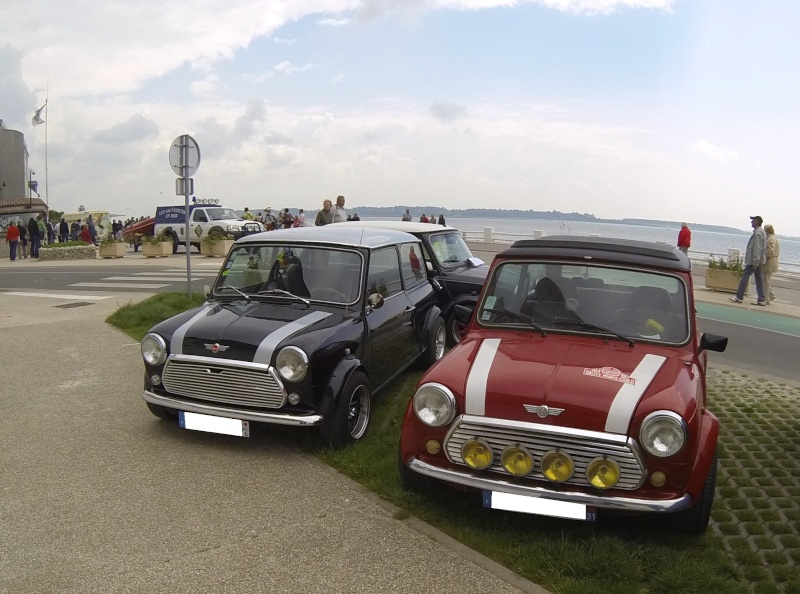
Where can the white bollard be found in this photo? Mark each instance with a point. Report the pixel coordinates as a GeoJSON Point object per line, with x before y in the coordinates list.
{"type": "Point", "coordinates": [487, 234]}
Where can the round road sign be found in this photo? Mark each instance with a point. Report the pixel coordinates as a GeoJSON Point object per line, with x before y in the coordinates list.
{"type": "Point", "coordinates": [188, 168]}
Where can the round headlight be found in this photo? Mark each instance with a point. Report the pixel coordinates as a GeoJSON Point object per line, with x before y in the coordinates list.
{"type": "Point", "coordinates": [154, 349]}
{"type": "Point", "coordinates": [557, 466]}
{"type": "Point", "coordinates": [477, 454]}
{"type": "Point", "coordinates": [603, 473]}
{"type": "Point", "coordinates": [663, 433]}
{"type": "Point", "coordinates": [292, 364]}
{"type": "Point", "coordinates": [516, 460]}
{"type": "Point", "coordinates": [434, 405]}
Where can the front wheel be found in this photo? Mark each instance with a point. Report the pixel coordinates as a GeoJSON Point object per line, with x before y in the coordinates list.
{"type": "Point", "coordinates": [350, 418]}
{"type": "Point", "coordinates": [437, 339]}
{"type": "Point", "coordinates": [456, 329]}
{"type": "Point", "coordinates": [695, 519]}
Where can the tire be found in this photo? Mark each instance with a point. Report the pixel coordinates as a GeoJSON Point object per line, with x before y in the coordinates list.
{"type": "Point", "coordinates": [175, 241]}
{"type": "Point", "coordinates": [350, 418]}
{"type": "Point", "coordinates": [455, 329]}
{"type": "Point", "coordinates": [218, 230]}
{"type": "Point", "coordinates": [435, 343]}
{"type": "Point", "coordinates": [413, 481]}
{"type": "Point", "coordinates": [162, 412]}
{"type": "Point", "coordinates": [695, 519]}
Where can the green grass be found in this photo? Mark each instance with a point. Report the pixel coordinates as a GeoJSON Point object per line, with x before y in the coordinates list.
{"type": "Point", "coordinates": [617, 554]}
{"type": "Point", "coordinates": [135, 319]}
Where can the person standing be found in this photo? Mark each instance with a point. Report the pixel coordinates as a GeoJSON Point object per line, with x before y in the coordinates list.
{"type": "Point", "coordinates": [44, 232]}
{"type": "Point", "coordinates": [36, 239]}
{"type": "Point", "coordinates": [324, 216]}
{"type": "Point", "coordinates": [754, 258]}
{"type": "Point", "coordinates": [248, 216]}
{"type": "Point", "coordinates": [12, 239]}
{"type": "Point", "coordinates": [302, 217]}
{"type": "Point", "coordinates": [23, 239]}
{"type": "Point", "coordinates": [441, 220]}
{"type": "Point", "coordinates": [339, 213]}
{"type": "Point", "coordinates": [684, 238]}
{"type": "Point", "coordinates": [771, 267]}
{"type": "Point", "coordinates": [355, 217]}
{"type": "Point", "coordinates": [92, 229]}
{"type": "Point", "coordinates": [85, 235]}
{"type": "Point", "coordinates": [63, 230]}
{"type": "Point", "coordinates": [75, 230]}
{"type": "Point", "coordinates": [423, 218]}
{"type": "Point", "coordinates": [407, 216]}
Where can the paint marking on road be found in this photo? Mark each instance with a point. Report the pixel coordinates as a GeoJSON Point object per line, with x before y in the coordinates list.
{"type": "Point", "coordinates": [176, 279]}
{"type": "Point", "coordinates": [68, 296]}
{"type": "Point", "coordinates": [173, 273]}
{"type": "Point", "coordinates": [120, 285]}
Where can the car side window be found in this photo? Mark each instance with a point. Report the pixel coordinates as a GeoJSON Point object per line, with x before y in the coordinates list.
{"type": "Point", "coordinates": [199, 217]}
{"type": "Point", "coordinates": [384, 273]}
{"type": "Point", "coordinates": [412, 263]}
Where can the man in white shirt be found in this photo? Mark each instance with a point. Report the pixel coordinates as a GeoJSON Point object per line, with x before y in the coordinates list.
{"type": "Point", "coordinates": [302, 217]}
{"type": "Point", "coordinates": [338, 211]}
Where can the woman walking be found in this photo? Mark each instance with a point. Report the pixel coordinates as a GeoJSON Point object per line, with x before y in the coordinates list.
{"type": "Point", "coordinates": [773, 252]}
{"type": "Point", "coordinates": [12, 239]}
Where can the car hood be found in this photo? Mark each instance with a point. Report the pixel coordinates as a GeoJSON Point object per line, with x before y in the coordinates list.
{"type": "Point", "coordinates": [252, 332]}
{"type": "Point", "coordinates": [469, 275]}
{"type": "Point", "coordinates": [587, 384]}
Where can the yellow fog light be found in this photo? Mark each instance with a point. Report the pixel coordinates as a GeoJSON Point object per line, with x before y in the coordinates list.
{"type": "Point", "coordinates": [603, 473]}
{"type": "Point", "coordinates": [516, 460]}
{"type": "Point", "coordinates": [433, 446]}
{"type": "Point", "coordinates": [477, 454]}
{"type": "Point", "coordinates": [557, 466]}
{"type": "Point", "coordinates": [658, 479]}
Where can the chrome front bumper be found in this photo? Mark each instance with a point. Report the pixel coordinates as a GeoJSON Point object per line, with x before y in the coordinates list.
{"type": "Point", "coordinates": [468, 479]}
{"type": "Point", "coordinates": [232, 413]}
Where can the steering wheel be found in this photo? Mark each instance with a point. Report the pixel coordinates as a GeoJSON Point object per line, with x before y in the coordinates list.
{"type": "Point", "coordinates": [340, 297]}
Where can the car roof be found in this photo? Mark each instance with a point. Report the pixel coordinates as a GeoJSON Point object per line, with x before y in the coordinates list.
{"type": "Point", "coordinates": [406, 226]}
{"type": "Point", "coordinates": [352, 236]}
{"type": "Point", "coordinates": [609, 249]}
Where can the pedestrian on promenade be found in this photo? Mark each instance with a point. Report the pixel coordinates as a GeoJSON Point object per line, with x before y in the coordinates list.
{"type": "Point", "coordinates": [248, 216]}
{"type": "Point", "coordinates": [85, 235]}
{"type": "Point", "coordinates": [36, 239]}
{"type": "Point", "coordinates": [92, 229]}
{"type": "Point", "coordinates": [754, 258]}
{"type": "Point", "coordinates": [685, 238]}
{"type": "Point", "coordinates": [324, 216]}
{"type": "Point", "coordinates": [441, 220]}
{"type": "Point", "coordinates": [63, 230]}
{"type": "Point", "coordinates": [23, 239]}
{"type": "Point", "coordinates": [339, 213]}
{"type": "Point", "coordinates": [51, 232]}
{"type": "Point", "coordinates": [43, 231]}
{"type": "Point", "coordinates": [423, 218]}
{"type": "Point", "coordinates": [407, 216]}
{"type": "Point", "coordinates": [75, 230]}
{"type": "Point", "coordinates": [355, 217]}
{"type": "Point", "coordinates": [12, 239]}
{"type": "Point", "coordinates": [302, 218]}
{"type": "Point", "coordinates": [432, 219]}
{"type": "Point", "coordinates": [771, 267]}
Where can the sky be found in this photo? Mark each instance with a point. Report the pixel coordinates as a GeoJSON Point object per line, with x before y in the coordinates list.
{"type": "Point", "coordinates": [659, 109]}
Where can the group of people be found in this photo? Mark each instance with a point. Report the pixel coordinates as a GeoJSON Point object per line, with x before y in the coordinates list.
{"type": "Point", "coordinates": [424, 218]}
{"type": "Point", "coordinates": [277, 220]}
{"type": "Point", "coordinates": [36, 232]}
{"type": "Point", "coordinates": [334, 213]}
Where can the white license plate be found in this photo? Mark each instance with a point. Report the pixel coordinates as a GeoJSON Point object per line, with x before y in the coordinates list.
{"type": "Point", "coordinates": [538, 506]}
{"type": "Point", "coordinates": [211, 424]}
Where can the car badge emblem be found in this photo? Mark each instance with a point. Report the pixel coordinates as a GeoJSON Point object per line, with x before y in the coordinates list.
{"type": "Point", "coordinates": [216, 347]}
{"type": "Point", "coordinates": [543, 411]}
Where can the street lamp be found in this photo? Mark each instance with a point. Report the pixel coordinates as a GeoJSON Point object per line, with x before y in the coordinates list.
{"type": "Point", "coordinates": [32, 187]}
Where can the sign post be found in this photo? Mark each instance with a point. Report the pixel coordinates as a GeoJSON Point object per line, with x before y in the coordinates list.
{"type": "Point", "coordinates": [184, 157]}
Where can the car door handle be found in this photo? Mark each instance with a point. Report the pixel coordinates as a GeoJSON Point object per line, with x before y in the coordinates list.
{"type": "Point", "coordinates": [409, 310]}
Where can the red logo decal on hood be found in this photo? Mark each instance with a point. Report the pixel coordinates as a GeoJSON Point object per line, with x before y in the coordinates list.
{"type": "Point", "coordinates": [610, 373]}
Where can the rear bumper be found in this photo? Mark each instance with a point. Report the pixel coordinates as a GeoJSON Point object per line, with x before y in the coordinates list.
{"type": "Point", "coordinates": [233, 413]}
{"type": "Point", "coordinates": [469, 479]}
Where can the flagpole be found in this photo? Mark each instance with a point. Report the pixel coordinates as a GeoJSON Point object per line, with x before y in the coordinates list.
{"type": "Point", "coordinates": [46, 178]}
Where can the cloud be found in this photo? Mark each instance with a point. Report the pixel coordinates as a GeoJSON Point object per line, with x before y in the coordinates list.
{"type": "Point", "coordinates": [207, 86]}
{"type": "Point", "coordinates": [448, 112]}
{"type": "Point", "coordinates": [714, 152]}
{"type": "Point", "coordinates": [282, 40]}
{"type": "Point", "coordinates": [288, 68]}
{"type": "Point", "coordinates": [19, 102]}
{"type": "Point", "coordinates": [333, 22]}
{"type": "Point", "coordinates": [137, 127]}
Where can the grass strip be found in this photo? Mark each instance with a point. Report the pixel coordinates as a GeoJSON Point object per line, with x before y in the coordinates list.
{"type": "Point", "coordinates": [135, 319]}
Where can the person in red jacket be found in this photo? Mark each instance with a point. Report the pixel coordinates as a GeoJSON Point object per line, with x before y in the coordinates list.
{"type": "Point", "coordinates": [684, 238]}
{"type": "Point", "coordinates": [85, 236]}
{"type": "Point", "coordinates": [12, 239]}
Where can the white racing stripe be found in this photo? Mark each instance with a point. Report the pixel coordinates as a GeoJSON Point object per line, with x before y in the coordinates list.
{"type": "Point", "coordinates": [628, 396]}
{"type": "Point", "coordinates": [270, 343]}
{"type": "Point", "coordinates": [475, 392]}
{"type": "Point", "coordinates": [176, 344]}
{"type": "Point", "coordinates": [67, 296]}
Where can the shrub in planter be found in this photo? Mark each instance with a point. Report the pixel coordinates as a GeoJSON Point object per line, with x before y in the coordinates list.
{"type": "Point", "coordinates": [112, 248]}
{"type": "Point", "coordinates": [156, 246]}
{"type": "Point", "coordinates": [216, 245]}
{"type": "Point", "coordinates": [724, 275]}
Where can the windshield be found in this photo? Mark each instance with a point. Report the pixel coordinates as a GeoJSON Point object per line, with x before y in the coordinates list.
{"type": "Point", "coordinates": [315, 273]}
{"type": "Point", "coordinates": [587, 299]}
{"type": "Point", "coordinates": [222, 214]}
{"type": "Point", "coordinates": [449, 249]}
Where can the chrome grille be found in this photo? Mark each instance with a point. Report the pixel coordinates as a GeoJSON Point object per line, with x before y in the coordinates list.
{"type": "Point", "coordinates": [243, 385]}
{"type": "Point", "coordinates": [582, 446]}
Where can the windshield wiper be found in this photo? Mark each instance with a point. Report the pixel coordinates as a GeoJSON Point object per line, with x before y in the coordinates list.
{"type": "Point", "coordinates": [232, 288]}
{"type": "Point", "coordinates": [518, 316]}
{"type": "Point", "coordinates": [282, 292]}
{"type": "Point", "coordinates": [590, 326]}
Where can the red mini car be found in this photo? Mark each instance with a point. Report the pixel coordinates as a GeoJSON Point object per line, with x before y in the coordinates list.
{"type": "Point", "coordinates": [580, 385]}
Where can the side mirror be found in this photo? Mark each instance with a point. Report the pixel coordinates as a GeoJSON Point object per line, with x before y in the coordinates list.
{"type": "Point", "coordinates": [375, 301]}
{"type": "Point", "coordinates": [463, 313]}
{"type": "Point", "coordinates": [712, 342]}
{"type": "Point", "coordinates": [475, 262]}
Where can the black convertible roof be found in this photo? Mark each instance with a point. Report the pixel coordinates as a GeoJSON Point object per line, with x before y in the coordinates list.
{"type": "Point", "coordinates": [606, 249]}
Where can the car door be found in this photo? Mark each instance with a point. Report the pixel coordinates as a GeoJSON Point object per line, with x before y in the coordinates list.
{"type": "Point", "coordinates": [418, 289]}
{"type": "Point", "coordinates": [391, 341]}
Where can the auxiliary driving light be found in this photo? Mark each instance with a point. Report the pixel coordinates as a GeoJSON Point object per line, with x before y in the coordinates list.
{"type": "Point", "coordinates": [658, 479]}
{"type": "Point", "coordinates": [293, 398]}
{"type": "Point", "coordinates": [155, 379]}
{"type": "Point", "coordinates": [433, 447]}
{"type": "Point", "coordinates": [557, 466]}
{"type": "Point", "coordinates": [603, 473]}
{"type": "Point", "coordinates": [516, 460]}
{"type": "Point", "coordinates": [477, 454]}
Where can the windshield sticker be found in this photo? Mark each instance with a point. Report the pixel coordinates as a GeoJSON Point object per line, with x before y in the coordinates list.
{"type": "Point", "coordinates": [610, 373]}
{"type": "Point", "coordinates": [489, 305]}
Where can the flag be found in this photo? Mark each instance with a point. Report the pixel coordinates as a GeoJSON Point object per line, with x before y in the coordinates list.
{"type": "Point", "coordinates": [37, 117]}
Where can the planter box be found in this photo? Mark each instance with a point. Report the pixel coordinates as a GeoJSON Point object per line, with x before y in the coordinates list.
{"type": "Point", "coordinates": [157, 250]}
{"type": "Point", "coordinates": [113, 250]}
{"type": "Point", "coordinates": [218, 249]}
{"type": "Point", "coordinates": [725, 281]}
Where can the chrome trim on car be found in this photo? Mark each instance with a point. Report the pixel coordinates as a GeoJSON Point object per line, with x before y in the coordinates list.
{"type": "Point", "coordinates": [244, 415]}
{"type": "Point", "coordinates": [473, 480]}
{"type": "Point", "coordinates": [627, 399]}
{"type": "Point", "coordinates": [267, 347]}
{"type": "Point", "coordinates": [581, 445]}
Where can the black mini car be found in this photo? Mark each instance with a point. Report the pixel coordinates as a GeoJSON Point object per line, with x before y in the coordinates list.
{"type": "Point", "coordinates": [301, 327]}
{"type": "Point", "coordinates": [456, 274]}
